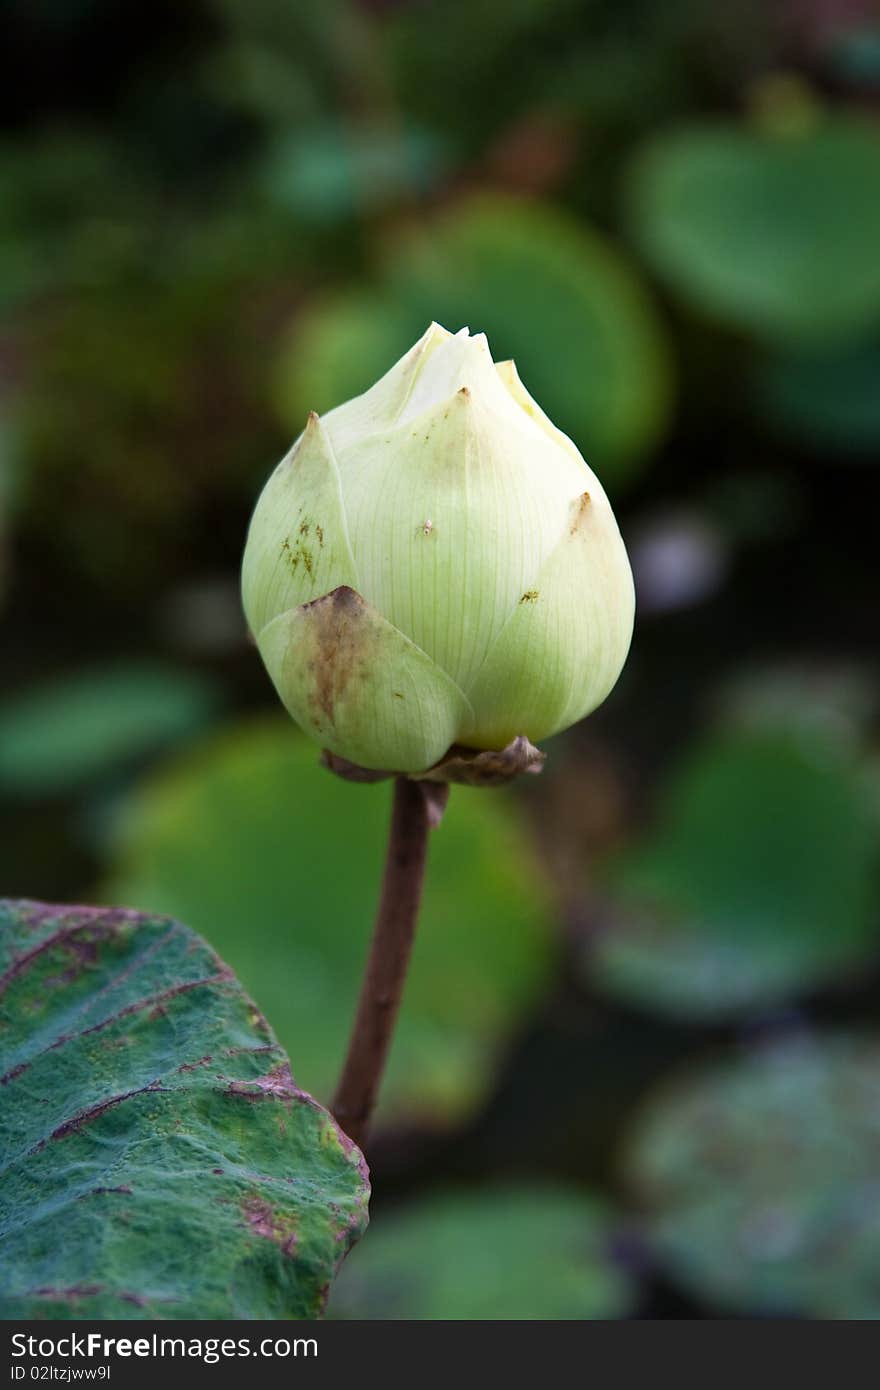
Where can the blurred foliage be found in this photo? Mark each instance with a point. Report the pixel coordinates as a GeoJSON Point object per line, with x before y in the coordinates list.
{"type": "Point", "coordinates": [774, 231]}
{"type": "Point", "coordinates": [831, 706]}
{"type": "Point", "coordinates": [758, 882]}
{"type": "Point", "coordinates": [60, 736]}
{"type": "Point", "coordinates": [508, 1253]}
{"type": "Point", "coordinates": [216, 217]}
{"type": "Point", "coordinates": [70, 215]}
{"type": "Point", "coordinates": [250, 839]}
{"type": "Point", "coordinates": [324, 174]}
{"type": "Point", "coordinates": [758, 1179]}
{"type": "Point", "coordinates": [527, 277]}
{"type": "Point", "coordinates": [5, 491]}
{"type": "Point", "coordinates": [148, 392]}
{"type": "Point", "coordinates": [829, 400]}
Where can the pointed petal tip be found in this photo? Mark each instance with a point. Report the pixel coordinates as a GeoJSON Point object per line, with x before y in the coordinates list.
{"type": "Point", "coordinates": [434, 336]}
{"type": "Point", "coordinates": [433, 339]}
{"type": "Point", "coordinates": [341, 598]}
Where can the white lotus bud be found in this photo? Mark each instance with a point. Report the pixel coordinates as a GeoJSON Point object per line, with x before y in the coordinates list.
{"type": "Point", "coordinates": [433, 563]}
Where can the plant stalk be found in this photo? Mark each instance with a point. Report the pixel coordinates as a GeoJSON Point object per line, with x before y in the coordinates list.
{"type": "Point", "coordinates": [390, 952]}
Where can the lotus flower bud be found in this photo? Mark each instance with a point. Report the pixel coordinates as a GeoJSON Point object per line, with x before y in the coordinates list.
{"type": "Point", "coordinates": [433, 563]}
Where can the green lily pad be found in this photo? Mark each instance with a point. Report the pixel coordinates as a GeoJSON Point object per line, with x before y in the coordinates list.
{"type": "Point", "coordinates": [773, 232]}
{"type": "Point", "coordinates": [548, 291]}
{"type": "Point", "coordinates": [158, 1160]}
{"type": "Point", "coordinates": [513, 1253]}
{"type": "Point", "coordinates": [58, 736]}
{"type": "Point", "coordinates": [758, 881]}
{"type": "Point", "coordinates": [251, 840]}
{"type": "Point", "coordinates": [759, 1179]}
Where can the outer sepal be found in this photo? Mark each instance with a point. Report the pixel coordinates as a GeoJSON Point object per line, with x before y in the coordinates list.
{"type": "Point", "coordinates": [356, 685]}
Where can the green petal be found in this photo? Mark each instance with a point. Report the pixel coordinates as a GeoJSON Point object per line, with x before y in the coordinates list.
{"type": "Point", "coordinates": [297, 547]}
{"type": "Point", "coordinates": [452, 512]}
{"type": "Point", "coordinates": [359, 687]}
{"type": "Point", "coordinates": [565, 642]}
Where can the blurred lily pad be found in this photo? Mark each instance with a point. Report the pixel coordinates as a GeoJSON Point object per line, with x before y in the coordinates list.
{"type": "Point", "coordinates": [58, 736]}
{"type": "Point", "coordinates": [280, 862]}
{"type": "Point", "coordinates": [548, 292]}
{"type": "Point", "coordinates": [759, 1180]}
{"type": "Point", "coordinates": [515, 1253]}
{"type": "Point", "coordinates": [829, 400]}
{"type": "Point", "coordinates": [757, 882]}
{"type": "Point", "coordinates": [772, 232]}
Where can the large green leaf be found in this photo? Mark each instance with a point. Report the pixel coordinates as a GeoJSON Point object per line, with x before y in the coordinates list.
{"type": "Point", "coordinates": [759, 1179]}
{"type": "Point", "coordinates": [158, 1160]}
{"type": "Point", "coordinates": [774, 232]}
{"type": "Point", "coordinates": [59, 735]}
{"type": "Point", "coordinates": [512, 1253]}
{"type": "Point", "coordinates": [549, 292]}
{"type": "Point", "coordinates": [758, 880]}
{"type": "Point", "coordinates": [280, 861]}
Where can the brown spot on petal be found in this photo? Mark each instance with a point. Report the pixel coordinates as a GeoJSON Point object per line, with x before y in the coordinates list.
{"type": "Point", "coordinates": [337, 646]}
{"type": "Point", "coordinates": [292, 557]}
{"type": "Point", "coordinates": [579, 508]}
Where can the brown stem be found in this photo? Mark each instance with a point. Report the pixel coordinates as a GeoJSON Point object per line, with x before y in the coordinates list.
{"type": "Point", "coordinates": [393, 935]}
